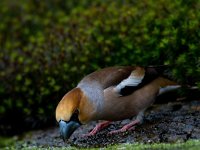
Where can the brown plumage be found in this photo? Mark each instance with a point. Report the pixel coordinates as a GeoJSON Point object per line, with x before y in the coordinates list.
{"type": "Point", "coordinates": [102, 95]}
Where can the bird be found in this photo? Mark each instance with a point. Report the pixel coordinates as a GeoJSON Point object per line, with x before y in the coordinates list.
{"type": "Point", "coordinates": [112, 94]}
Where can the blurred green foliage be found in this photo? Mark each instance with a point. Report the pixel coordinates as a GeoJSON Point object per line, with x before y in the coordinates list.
{"type": "Point", "coordinates": [46, 47]}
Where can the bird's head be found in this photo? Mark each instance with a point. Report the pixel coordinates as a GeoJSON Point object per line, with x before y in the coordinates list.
{"type": "Point", "coordinates": [68, 111]}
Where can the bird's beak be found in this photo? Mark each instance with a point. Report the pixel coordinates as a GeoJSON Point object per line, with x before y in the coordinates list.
{"type": "Point", "coordinates": [67, 128]}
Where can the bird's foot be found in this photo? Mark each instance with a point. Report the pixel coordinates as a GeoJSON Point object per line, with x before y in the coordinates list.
{"type": "Point", "coordinates": [98, 127]}
{"type": "Point", "coordinates": [127, 127]}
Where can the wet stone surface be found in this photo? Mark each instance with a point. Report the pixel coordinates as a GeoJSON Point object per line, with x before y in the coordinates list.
{"type": "Point", "coordinates": [177, 121]}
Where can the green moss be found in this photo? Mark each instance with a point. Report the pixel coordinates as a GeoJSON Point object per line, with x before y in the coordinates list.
{"type": "Point", "coordinates": [4, 142]}
{"type": "Point", "coordinates": [189, 145]}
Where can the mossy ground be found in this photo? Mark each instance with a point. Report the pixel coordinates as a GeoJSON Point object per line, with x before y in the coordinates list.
{"type": "Point", "coordinates": [189, 145]}
{"type": "Point", "coordinates": [175, 125]}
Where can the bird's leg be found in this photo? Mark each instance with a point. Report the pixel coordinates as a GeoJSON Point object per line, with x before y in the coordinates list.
{"type": "Point", "coordinates": [98, 127]}
{"type": "Point", "coordinates": [131, 125]}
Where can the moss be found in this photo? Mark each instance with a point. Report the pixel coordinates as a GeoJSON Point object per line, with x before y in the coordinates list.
{"type": "Point", "coordinates": [6, 141]}
{"type": "Point", "coordinates": [189, 145]}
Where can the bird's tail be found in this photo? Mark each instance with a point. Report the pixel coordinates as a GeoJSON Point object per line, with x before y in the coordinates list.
{"type": "Point", "coordinates": [178, 93]}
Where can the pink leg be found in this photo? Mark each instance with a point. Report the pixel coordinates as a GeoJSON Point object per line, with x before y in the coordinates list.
{"type": "Point", "coordinates": [98, 127]}
{"type": "Point", "coordinates": [130, 126]}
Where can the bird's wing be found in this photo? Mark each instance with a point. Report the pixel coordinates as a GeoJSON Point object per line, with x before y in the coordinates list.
{"type": "Point", "coordinates": [107, 77]}
{"type": "Point", "coordinates": [140, 77]}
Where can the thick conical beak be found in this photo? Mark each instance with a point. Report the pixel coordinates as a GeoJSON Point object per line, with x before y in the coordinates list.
{"type": "Point", "coordinates": [67, 128]}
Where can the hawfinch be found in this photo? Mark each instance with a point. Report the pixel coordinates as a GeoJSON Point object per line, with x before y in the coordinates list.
{"type": "Point", "coordinates": [111, 94]}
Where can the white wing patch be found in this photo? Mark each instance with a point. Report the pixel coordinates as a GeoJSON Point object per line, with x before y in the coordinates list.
{"type": "Point", "coordinates": [132, 80]}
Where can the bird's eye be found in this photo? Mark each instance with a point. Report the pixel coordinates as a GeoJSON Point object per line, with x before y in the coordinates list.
{"type": "Point", "coordinates": [74, 117]}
